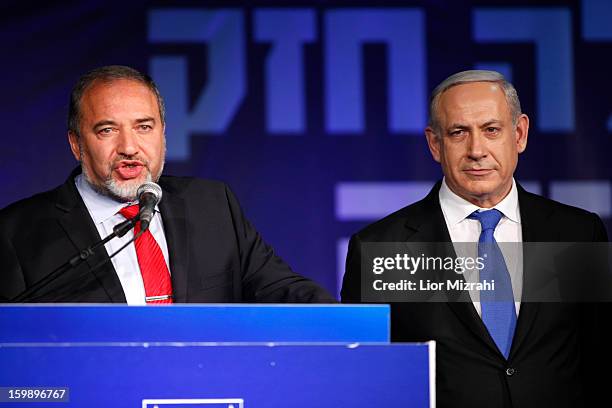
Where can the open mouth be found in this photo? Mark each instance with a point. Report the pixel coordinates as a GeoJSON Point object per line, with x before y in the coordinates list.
{"type": "Point", "coordinates": [129, 169]}
{"type": "Point", "coordinates": [129, 163]}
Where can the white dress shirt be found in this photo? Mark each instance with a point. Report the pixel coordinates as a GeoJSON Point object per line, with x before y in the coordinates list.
{"type": "Point", "coordinates": [463, 229]}
{"type": "Point", "coordinates": [104, 212]}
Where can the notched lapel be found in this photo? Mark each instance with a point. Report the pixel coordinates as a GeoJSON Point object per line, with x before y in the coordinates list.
{"type": "Point", "coordinates": [535, 225]}
{"type": "Point", "coordinates": [173, 211]}
{"type": "Point", "coordinates": [81, 231]}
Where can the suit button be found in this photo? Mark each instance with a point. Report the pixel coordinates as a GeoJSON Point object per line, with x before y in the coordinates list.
{"type": "Point", "coordinates": [510, 371]}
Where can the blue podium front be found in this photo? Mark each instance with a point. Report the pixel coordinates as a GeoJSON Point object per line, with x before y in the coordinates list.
{"type": "Point", "coordinates": [266, 376]}
{"type": "Point", "coordinates": [339, 358]}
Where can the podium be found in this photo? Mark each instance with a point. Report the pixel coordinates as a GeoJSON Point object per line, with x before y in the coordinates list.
{"type": "Point", "coordinates": [213, 356]}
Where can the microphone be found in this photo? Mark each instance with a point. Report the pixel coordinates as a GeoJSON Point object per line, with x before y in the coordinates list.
{"type": "Point", "coordinates": [149, 195]}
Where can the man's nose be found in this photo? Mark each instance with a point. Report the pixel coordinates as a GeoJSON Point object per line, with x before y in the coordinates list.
{"type": "Point", "coordinates": [476, 148]}
{"type": "Point", "coordinates": [127, 143]}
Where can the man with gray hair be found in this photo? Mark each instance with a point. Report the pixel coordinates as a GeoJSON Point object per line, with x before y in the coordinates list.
{"type": "Point", "coordinates": [488, 354]}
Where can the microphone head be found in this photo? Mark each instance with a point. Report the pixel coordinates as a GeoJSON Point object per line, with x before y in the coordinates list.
{"type": "Point", "coordinates": [151, 188]}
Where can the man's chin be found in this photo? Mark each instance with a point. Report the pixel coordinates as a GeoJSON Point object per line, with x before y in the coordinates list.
{"type": "Point", "coordinates": [125, 190]}
{"type": "Point", "coordinates": [485, 191]}
{"type": "Point", "coordinates": [117, 188]}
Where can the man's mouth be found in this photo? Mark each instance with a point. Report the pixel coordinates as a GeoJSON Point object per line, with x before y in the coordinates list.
{"type": "Point", "coordinates": [129, 169]}
{"type": "Point", "coordinates": [478, 172]}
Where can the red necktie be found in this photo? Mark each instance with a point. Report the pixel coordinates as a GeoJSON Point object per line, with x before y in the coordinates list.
{"type": "Point", "coordinates": [155, 274]}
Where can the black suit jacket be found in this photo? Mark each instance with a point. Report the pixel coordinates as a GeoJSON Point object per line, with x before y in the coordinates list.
{"type": "Point", "coordinates": [215, 253]}
{"type": "Point", "coordinates": [553, 345]}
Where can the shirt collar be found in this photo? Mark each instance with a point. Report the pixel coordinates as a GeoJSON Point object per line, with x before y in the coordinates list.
{"type": "Point", "coordinates": [456, 209]}
{"type": "Point", "coordinates": [101, 207]}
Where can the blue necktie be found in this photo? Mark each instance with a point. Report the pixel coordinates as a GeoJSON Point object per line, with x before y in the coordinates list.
{"type": "Point", "coordinates": [498, 310]}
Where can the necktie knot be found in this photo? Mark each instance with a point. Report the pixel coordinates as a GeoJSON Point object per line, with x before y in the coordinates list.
{"type": "Point", "coordinates": [488, 219]}
{"type": "Point", "coordinates": [130, 211]}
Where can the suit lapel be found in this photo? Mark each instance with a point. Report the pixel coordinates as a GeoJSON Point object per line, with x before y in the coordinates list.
{"type": "Point", "coordinates": [430, 226]}
{"type": "Point", "coordinates": [82, 232]}
{"type": "Point", "coordinates": [535, 228]}
{"type": "Point", "coordinates": [173, 211]}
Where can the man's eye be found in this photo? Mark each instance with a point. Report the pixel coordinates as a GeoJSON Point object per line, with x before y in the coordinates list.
{"type": "Point", "coordinates": [145, 127]}
{"type": "Point", "coordinates": [492, 130]}
{"type": "Point", "coordinates": [457, 132]}
{"type": "Point", "coordinates": [105, 131]}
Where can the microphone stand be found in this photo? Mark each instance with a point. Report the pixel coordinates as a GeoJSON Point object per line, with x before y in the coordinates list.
{"type": "Point", "coordinates": [119, 230]}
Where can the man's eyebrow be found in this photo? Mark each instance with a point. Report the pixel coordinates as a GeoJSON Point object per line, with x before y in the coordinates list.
{"type": "Point", "coordinates": [104, 123]}
{"type": "Point", "coordinates": [458, 126]}
{"type": "Point", "coordinates": [462, 126]}
{"type": "Point", "coordinates": [491, 122]}
{"type": "Point", "coordinates": [145, 119]}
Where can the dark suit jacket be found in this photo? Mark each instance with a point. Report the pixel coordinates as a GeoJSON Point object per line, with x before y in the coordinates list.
{"type": "Point", "coordinates": [552, 342]}
{"type": "Point", "coordinates": [215, 253]}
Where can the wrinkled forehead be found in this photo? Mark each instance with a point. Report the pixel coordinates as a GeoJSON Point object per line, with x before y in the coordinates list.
{"type": "Point", "coordinates": [482, 89]}
{"type": "Point", "coordinates": [117, 86]}
{"type": "Point", "coordinates": [119, 95]}
{"type": "Point", "coordinates": [473, 98]}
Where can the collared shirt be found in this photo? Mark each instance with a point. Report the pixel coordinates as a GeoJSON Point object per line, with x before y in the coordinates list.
{"type": "Point", "coordinates": [463, 229]}
{"type": "Point", "coordinates": [105, 213]}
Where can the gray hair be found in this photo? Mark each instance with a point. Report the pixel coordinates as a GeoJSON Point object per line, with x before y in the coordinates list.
{"type": "Point", "coordinates": [107, 74]}
{"type": "Point", "coordinates": [465, 77]}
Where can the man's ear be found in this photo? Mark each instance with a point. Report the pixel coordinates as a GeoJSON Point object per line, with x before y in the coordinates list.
{"type": "Point", "coordinates": [73, 139]}
{"type": "Point", "coordinates": [521, 133]}
{"type": "Point", "coordinates": [433, 141]}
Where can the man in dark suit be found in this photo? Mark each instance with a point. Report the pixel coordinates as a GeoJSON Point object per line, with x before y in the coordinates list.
{"type": "Point", "coordinates": [531, 354]}
{"type": "Point", "coordinates": [199, 246]}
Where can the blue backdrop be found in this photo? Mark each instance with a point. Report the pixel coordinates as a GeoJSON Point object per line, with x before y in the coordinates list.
{"type": "Point", "coordinates": [313, 111]}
